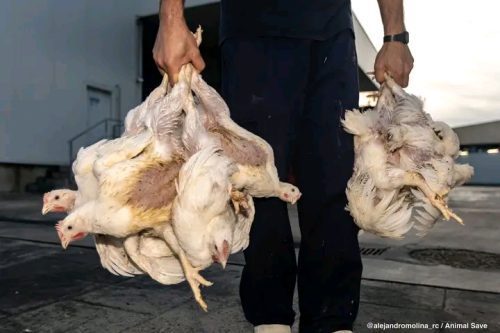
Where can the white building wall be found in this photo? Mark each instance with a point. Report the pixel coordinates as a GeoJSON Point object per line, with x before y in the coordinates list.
{"type": "Point", "coordinates": [50, 50]}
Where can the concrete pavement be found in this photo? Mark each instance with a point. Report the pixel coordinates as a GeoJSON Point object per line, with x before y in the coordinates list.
{"type": "Point", "coordinates": [46, 289]}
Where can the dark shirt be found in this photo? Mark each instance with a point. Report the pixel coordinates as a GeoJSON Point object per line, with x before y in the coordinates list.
{"type": "Point", "coordinates": [308, 19]}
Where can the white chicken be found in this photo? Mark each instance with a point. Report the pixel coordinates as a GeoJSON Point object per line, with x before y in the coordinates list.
{"type": "Point", "coordinates": [85, 220]}
{"type": "Point", "coordinates": [136, 176]}
{"type": "Point", "coordinates": [203, 217]}
{"type": "Point", "coordinates": [149, 253]}
{"type": "Point", "coordinates": [136, 254]}
{"type": "Point", "coordinates": [154, 257]}
{"type": "Point", "coordinates": [401, 163]}
{"type": "Point", "coordinates": [136, 186]}
{"type": "Point", "coordinates": [170, 197]}
{"type": "Point", "coordinates": [442, 174]}
{"type": "Point", "coordinates": [137, 119]}
{"type": "Point", "coordinates": [196, 137]}
{"type": "Point", "coordinates": [212, 217]}
{"type": "Point", "coordinates": [110, 249]}
{"type": "Point", "coordinates": [59, 201]}
{"type": "Point", "coordinates": [256, 175]}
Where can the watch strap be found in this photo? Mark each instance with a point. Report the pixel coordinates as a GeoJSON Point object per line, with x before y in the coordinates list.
{"type": "Point", "coordinates": [403, 37]}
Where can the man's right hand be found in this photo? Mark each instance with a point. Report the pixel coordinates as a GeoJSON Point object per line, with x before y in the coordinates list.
{"type": "Point", "coordinates": [175, 46]}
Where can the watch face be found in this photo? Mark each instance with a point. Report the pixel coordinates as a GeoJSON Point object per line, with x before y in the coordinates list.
{"type": "Point", "coordinates": [405, 37]}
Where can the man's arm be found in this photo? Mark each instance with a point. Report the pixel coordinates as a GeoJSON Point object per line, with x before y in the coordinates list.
{"type": "Point", "coordinates": [175, 45]}
{"type": "Point", "coordinates": [394, 57]}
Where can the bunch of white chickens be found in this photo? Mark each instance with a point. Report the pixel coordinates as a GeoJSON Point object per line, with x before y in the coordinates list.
{"type": "Point", "coordinates": [174, 193]}
{"type": "Point", "coordinates": [404, 166]}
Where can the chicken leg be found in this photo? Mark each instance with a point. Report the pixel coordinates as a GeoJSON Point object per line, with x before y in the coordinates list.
{"type": "Point", "coordinates": [194, 279]}
{"type": "Point", "coordinates": [192, 274]}
{"type": "Point", "coordinates": [416, 179]}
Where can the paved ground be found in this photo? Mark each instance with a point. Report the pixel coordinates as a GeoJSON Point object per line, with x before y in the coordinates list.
{"type": "Point", "coordinates": [45, 289]}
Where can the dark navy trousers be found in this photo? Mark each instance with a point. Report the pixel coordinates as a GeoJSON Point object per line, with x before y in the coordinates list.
{"type": "Point", "coordinates": [293, 93]}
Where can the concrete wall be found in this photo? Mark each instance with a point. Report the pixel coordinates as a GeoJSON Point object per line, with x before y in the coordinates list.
{"type": "Point", "coordinates": [50, 50]}
{"type": "Point", "coordinates": [8, 178]}
{"type": "Point", "coordinates": [14, 178]}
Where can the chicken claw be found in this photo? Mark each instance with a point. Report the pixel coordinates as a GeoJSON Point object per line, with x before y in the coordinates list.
{"type": "Point", "coordinates": [416, 179]}
{"type": "Point", "coordinates": [194, 279]}
{"type": "Point", "coordinates": [239, 201]}
{"type": "Point", "coordinates": [438, 202]}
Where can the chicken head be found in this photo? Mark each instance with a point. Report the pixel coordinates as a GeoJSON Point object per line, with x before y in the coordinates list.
{"type": "Point", "coordinates": [58, 201]}
{"type": "Point", "coordinates": [71, 229]}
{"type": "Point", "coordinates": [289, 193]}
{"type": "Point", "coordinates": [220, 240]}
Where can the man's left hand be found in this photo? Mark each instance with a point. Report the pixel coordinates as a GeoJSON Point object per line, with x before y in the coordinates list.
{"type": "Point", "coordinates": [394, 58]}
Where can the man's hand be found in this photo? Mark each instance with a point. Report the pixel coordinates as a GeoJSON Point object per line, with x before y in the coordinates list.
{"type": "Point", "coordinates": [394, 58]}
{"type": "Point", "coordinates": [175, 45]}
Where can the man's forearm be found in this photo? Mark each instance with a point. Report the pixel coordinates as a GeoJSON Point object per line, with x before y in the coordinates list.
{"type": "Point", "coordinates": [175, 45]}
{"type": "Point", "coordinates": [171, 10]}
{"type": "Point", "coordinates": [392, 16]}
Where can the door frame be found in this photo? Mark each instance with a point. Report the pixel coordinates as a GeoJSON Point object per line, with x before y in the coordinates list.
{"type": "Point", "coordinates": [114, 94]}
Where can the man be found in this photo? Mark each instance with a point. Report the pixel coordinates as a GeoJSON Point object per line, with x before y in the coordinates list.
{"type": "Point", "coordinates": [289, 73]}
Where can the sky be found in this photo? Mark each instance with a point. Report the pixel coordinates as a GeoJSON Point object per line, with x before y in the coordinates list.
{"type": "Point", "coordinates": [456, 46]}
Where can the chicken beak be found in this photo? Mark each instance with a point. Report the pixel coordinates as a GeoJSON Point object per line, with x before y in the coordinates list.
{"type": "Point", "coordinates": [46, 205]}
{"type": "Point", "coordinates": [46, 209]}
{"type": "Point", "coordinates": [296, 198]}
{"type": "Point", "coordinates": [64, 243]}
{"type": "Point", "coordinates": [62, 238]}
{"type": "Point", "coordinates": [221, 260]}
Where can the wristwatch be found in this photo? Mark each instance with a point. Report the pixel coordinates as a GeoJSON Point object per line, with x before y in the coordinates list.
{"type": "Point", "coordinates": [403, 37]}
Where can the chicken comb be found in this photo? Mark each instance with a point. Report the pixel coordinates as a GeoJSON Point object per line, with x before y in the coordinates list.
{"type": "Point", "coordinates": [59, 226]}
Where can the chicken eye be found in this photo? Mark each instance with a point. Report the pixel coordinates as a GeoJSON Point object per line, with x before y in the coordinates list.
{"type": "Point", "coordinates": [293, 190]}
{"type": "Point", "coordinates": [57, 197]}
{"type": "Point", "coordinates": [70, 227]}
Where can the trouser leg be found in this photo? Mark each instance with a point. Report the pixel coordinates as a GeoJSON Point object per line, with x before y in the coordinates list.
{"type": "Point", "coordinates": [263, 83]}
{"type": "Point", "coordinates": [329, 270]}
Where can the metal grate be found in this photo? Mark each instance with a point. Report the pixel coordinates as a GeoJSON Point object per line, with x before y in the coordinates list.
{"type": "Point", "coordinates": [372, 251]}
{"type": "Point", "coordinates": [458, 258]}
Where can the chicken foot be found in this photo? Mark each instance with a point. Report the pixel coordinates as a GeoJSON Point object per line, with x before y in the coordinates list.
{"type": "Point", "coordinates": [192, 274]}
{"type": "Point", "coordinates": [416, 179]}
{"type": "Point", "coordinates": [194, 279]}
{"type": "Point", "coordinates": [239, 201]}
